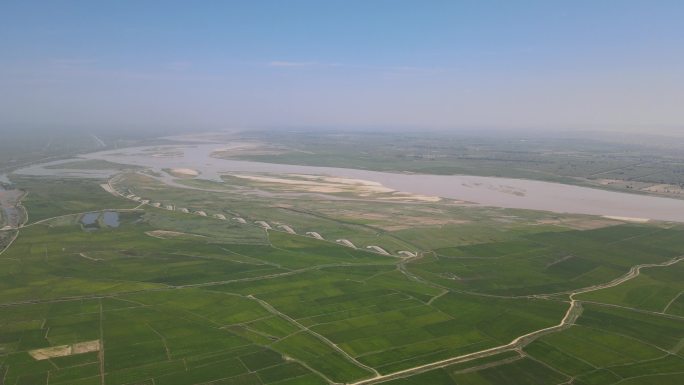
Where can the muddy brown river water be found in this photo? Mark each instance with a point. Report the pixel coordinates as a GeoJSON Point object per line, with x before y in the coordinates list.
{"type": "Point", "coordinates": [488, 191]}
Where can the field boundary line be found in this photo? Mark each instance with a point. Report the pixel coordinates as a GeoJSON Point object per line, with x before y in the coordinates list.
{"type": "Point", "coordinates": [444, 292]}
{"type": "Point", "coordinates": [102, 352]}
{"type": "Point", "coordinates": [654, 313]}
{"type": "Point", "coordinates": [633, 272]}
{"type": "Point", "coordinates": [163, 340]}
{"type": "Point", "coordinates": [649, 375]}
{"type": "Point", "coordinates": [322, 338]}
{"type": "Point", "coordinates": [672, 301]}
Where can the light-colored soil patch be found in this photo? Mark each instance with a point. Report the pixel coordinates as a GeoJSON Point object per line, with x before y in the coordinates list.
{"type": "Point", "coordinates": [85, 347]}
{"type": "Point", "coordinates": [183, 172]}
{"type": "Point", "coordinates": [316, 184]}
{"type": "Point", "coordinates": [400, 196]}
{"type": "Point", "coordinates": [665, 189]}
{"type": "Point", "coordinates": [108, 188]}
{"type": "Point", "coordinates": [346, 242]}
{"type": "Point", "coordinates": [627, 219]}
{"type": "Point", "coordinates": [65, 350]}
{"type": "Point", "coordinates": [378, 249]}
{"type": "Point", "coordinates": [264, 225]}
{"type": "Point", "coordinates": [623, 184]}
{"type": "Point", "coordinates": [84, 255]}
{"type": "Point", "coordinates": [608, 182]}
{"type": "Point", "coordinates": [333, 185]}
{"type": "Point", "coordinates": [408, 254]}
{"type": "Point", "coordinates": [165, 234]}
{"type": "Point", "coordinates": [287, 229]}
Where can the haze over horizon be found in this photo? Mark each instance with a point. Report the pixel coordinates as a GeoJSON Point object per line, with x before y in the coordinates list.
{"type": "Point", "coordinates": [611, 65]}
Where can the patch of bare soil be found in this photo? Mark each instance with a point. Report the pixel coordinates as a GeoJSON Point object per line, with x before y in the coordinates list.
{"type": "Point", "coordinates": [665, 189]}
{"type": "Point", "coordinates": [65, 350]}
{"type": "Point", "coordinates": [627, 219]}
{"type": "Point", "coordinates": [183, 172]}
{"type": "Point", "coordinates": [333, 185]}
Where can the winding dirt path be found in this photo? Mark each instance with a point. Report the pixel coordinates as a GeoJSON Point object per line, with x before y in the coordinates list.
{"type": "Point", "coordinates": [571, 315]}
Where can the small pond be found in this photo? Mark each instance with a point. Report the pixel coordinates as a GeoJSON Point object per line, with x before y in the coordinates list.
{"type": "Point", "coordinates": [111, 218]}
{"type": "Point", "coordinates": [90, 221]}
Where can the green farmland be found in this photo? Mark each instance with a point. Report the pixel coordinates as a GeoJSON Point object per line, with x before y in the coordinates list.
{"type": "Point", "coordinates": [165, 297]}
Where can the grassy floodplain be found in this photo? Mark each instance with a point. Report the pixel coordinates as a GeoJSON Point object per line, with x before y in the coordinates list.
{"type": "Point", "coordinates": [180, 298]}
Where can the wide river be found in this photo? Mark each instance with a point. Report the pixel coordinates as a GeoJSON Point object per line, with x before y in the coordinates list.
{"type": "Point", "coordinates": [488, 191]}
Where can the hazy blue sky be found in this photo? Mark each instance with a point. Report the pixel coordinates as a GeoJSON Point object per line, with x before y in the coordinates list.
{"type": "Point", "coordinates": [234, 64]}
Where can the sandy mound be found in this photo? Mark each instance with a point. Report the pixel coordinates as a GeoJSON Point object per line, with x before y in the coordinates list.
{"type": "Point", "coordinates": [627, 219]}
{"type": "Point", "coordinates": [183, 172]}
{"type": "Point", "coordinates": [333, 185]}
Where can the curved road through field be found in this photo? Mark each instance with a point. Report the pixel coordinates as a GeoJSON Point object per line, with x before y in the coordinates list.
{"type": "Point", "coordinates": [571, 315]}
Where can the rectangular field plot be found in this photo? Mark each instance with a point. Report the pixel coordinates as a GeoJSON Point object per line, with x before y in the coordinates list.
{"type": "Point", "coordinates": [501, 369]}
{"type": "Point", "coordinates": [389, 322]}
{"type": "Point", "coordinates": [551, 262]}
{"type": "Point", "coordinates": [545, 352]}
{"type": "Point", "coordinates": [615, 346]}
{"type": "Point", "coordinates": [657, 289]}
{"type": "Point", "coordinates": [163, 338]}
{"type": "Point", "coordinates": [521, 372]}
{"type": "Point", "coordinates": [323, 358]}
{"type": "Point", "coordinates": [601, 348]}
{"type": "Point", "coordinates": [462, 325]}
{"type": "Point", "coordinates": [664, 332]}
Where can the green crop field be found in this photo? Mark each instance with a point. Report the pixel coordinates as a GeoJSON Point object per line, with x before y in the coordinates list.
{"type": "Point", "coordinates": [103, 290]}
